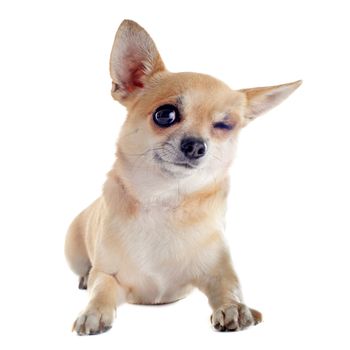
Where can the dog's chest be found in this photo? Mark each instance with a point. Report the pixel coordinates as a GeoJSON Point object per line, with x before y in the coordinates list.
{"type": "Point", "coordinates": [162, 256]}
{"type": "Point", "coordinates": [155, 241]}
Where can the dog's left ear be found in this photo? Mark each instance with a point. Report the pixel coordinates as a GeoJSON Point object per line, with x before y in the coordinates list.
{"type": "Point", "coordinates": [134, 59]}
{"type": "Point", "coordinates": [262, 99]}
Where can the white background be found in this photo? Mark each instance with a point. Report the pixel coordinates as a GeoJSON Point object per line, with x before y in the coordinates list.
{"type": "Point", "coordinates": [288, 217]}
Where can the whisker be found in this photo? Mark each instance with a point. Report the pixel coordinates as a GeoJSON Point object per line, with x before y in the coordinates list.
{"type": "Point", "coordinates": [217, 158]}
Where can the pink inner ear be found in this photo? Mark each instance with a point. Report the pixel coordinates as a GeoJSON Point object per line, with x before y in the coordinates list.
{"type": "Point", "coordinates": [135, 78]}
{"type": "Point", "coordinates": [133, 72]}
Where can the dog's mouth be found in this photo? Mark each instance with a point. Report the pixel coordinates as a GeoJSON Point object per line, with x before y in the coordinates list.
{"type": "Point", "coordinates": [186, 165]}
{"type": "Point", "coordinates": [181, 164]}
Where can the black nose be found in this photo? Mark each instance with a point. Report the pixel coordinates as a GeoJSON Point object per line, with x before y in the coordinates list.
{"type": "Point", "coordinates": [193, 148]}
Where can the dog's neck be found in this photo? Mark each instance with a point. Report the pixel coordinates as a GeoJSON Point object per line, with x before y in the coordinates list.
{"type": "Point", "coordinates": [148, 188]}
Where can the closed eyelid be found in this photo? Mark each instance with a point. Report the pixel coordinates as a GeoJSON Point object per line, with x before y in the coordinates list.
{"type": "Point", "coordinates": [223, 125]}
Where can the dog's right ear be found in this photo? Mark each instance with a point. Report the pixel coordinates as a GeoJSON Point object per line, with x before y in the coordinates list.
{"type": "Point", "coordinates": [134, 59]}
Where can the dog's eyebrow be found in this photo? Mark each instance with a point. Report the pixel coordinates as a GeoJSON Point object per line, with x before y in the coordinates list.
{"type": "Point", "coordinates": [224, 118]}
{"type": "Point", "coordinates": [179, 104]}
{"type": "Point", "coordinates": [179, 101]}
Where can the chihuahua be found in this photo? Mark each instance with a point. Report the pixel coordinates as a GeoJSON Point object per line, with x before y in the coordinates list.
{"type": "Point", "coordinates": [156, 231]}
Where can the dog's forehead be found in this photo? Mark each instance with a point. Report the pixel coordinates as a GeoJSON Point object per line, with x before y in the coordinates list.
{"type": "Point", "coordinates": [211, 98]}
{"type": "Point", "coordinates": [193, 91]}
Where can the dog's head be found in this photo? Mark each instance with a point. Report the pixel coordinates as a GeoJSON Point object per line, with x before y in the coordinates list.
{"type": "Point", "coordinates": [179, 125]}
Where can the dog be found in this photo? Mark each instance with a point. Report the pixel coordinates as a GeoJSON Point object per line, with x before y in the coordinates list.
{"type": "Point", "coordinates": [156, 231]}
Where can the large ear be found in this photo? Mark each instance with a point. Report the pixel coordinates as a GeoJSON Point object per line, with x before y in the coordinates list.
{"type": "Point", "coordinates": [134, 59]}
{"type": "Point", "coordinates": [262, 99]}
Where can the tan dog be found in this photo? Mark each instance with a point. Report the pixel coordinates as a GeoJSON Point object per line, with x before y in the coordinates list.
{"type": "Point", "coordinates": [156, 231]}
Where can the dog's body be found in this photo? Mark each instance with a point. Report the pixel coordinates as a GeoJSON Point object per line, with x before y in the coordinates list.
{"type": "Point", "coordinates": [156, 232]}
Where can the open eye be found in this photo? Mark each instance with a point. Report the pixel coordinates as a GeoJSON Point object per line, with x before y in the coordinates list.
{"type": "Point", "coordinates": [166, 115]}
{"type": "Point", "coordinates": [223, 126]}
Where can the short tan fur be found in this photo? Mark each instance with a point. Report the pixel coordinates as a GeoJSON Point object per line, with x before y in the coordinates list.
{"type": "Point", "coordinates": [156, 231]}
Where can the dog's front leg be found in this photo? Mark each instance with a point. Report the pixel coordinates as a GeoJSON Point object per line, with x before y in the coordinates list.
{"type": "Point", "coordinates": [105, 295]}
{"type": "Point", "coordinates": [222, 289]}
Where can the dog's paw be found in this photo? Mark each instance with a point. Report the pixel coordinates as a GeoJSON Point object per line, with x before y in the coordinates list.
{"type": "Point", "coordinates": [94, 321]}
{"type": "Point", "coordinates": [234, 317]}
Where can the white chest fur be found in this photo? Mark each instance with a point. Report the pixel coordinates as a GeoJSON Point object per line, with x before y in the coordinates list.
{"type": "Point", "coordinates": [156, 259]}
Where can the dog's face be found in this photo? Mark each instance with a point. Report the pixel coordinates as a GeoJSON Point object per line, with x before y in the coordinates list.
{"type": "Point", "coordinates": [179, 125]}
{"type": "Point", "coordinates": [183, 124]}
